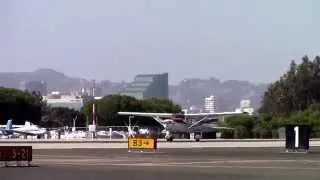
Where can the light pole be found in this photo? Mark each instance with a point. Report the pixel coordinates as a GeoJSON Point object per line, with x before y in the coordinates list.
{"type": "Point", "coordinates": [93, 114]}
{"type": "Point", "coordinates": [130, 130]}
{"type": "Point", "coordinates": [74, 123]}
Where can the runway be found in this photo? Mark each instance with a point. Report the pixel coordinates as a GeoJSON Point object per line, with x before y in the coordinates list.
{"type": "Point", "coordinates": [174, 145]}
{"type": "Point", "coordinates": [184, 164]}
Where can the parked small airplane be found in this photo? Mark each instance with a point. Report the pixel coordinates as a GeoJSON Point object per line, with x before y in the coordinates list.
{"type": "Point", "coordinates": [174, 124]}
{"type": "Point", "coordinates": [27, 129]}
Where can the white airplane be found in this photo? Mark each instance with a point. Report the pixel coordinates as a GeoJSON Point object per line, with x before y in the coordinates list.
{"type": "Point", "coordinates": [27, 129]}
{"type": "Point", "coordinates": [174, 124]}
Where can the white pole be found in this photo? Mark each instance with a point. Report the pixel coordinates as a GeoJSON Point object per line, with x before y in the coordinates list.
{"type": "Point", "coordinates": [129, 129]}
{"type": "Point", "coordinates": [130, 125]}
{"type": "Point", "coordinates": [93, 114]}
{"type": "Point", "coordinates": [296, 138]}
{"type": "Point", "coordinates": [110, 132]}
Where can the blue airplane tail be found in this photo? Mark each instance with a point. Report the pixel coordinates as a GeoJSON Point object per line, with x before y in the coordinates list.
{"type": "Point", "coordinates": [8, 129]}
{"type": "Point", "coordinates": [9, 125]}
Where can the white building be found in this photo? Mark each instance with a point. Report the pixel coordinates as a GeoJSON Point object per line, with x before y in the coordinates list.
{"type": "Point", "coordinates": [210, 104]}
{"type": "Point", "coordinates": [194, 109]}
{"type": "Point", "coordinates": [245, 106]}
{"type": "Point", "coordinates": [55, 99]}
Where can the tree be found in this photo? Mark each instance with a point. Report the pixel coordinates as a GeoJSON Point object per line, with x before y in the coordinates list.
{"type": "Point", "coordinates": [243, 125]}
{"type": "Point", "coordinates": [108, 107]}
{"type": "Point", "coordinates": [19, 106]}
{"type": "Point", "coordinates": [61, 116]}
{"type": "Point", "coordinates": [295, 91]}
{"type": "Point", "coordinates": [160, 106]}
{"type": "Point", "coordinates": [295, 97]}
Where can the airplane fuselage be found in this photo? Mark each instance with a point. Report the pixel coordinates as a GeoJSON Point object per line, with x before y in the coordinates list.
{"type": "Point", "coordinates": [28, 130]}
{"type": "Point", "coordinates": [32, 130]}
{"type": "Point", "coordinates": [184, 128]}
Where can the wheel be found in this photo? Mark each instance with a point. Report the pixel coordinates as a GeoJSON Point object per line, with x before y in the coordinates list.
{"type": "Point", "coordinates": [169, 139]}
{"type": "Point", "coordinates": [197, 138]}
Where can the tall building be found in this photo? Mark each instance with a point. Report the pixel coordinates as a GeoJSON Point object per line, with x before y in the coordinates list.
{"type": "Point", "coordinates": [39, 87]}
{"type": "Point", "coordinates": [147, 86]}
{"type": "Point", "coordinates": [210, 104]}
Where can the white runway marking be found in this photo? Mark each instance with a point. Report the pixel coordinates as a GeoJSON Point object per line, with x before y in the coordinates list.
{"type": "Point", "coordinates": [247, 164]}
{"type": "Point", "coordinates": [248, 161]}
{"type": "Point", "coordinates": [130, 159]}
{"type": "Point", "coordinates": [84, 161]}
{"type": "Point", "coordinates": [214, 166]}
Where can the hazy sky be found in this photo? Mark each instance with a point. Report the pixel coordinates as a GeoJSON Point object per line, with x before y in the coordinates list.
{"type": "Point", "coordinates": [116, 39]}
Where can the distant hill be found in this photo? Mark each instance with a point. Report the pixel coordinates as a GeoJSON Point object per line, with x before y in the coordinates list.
{"type": "Point", "coordinates": [188, 92]}
{"type": "Point", "coordinates": [228, 94]}
{"type": "Point", "coordinates": [54, 79]}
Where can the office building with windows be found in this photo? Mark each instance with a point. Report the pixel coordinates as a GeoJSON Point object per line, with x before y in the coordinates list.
{"type": "Point", "coordinates": [210, 104]}
{"type": "Point", "coordinates": [147, 86]}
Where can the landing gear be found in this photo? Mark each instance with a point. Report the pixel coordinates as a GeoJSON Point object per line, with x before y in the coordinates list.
{"type": "Point", "coordinates": [169, 137]}
{"type": "Point", "coordinates": [197, 137]}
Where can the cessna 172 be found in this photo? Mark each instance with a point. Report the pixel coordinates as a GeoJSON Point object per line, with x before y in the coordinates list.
{"type": "Point", "coordinates": [176, 124]}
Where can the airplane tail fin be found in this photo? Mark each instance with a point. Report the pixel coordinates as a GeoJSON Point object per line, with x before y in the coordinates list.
{"type": "Point", "coordinates": [9, 124]}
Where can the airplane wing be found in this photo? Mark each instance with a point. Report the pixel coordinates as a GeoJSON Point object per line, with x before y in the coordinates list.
{"type": "Point", "coordinates": [168, 115]}
{"type": "Point", "coordinates": [215, 114]}
{"type": "Point", "coordinates": [14, 126]}
{"type": "Point", "coordinates": [26, 133]}
{"type": "Point", "coordinates": [223, 128]}
{"type": "Point", "coordinates": [146, 114]}
{"type": "Point", "coordinates": [155, 116]}
{"type": "Point", "coordinates": [22, 132]}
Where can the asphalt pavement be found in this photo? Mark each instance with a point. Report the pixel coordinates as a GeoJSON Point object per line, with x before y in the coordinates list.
{"type": "Point", "coordinates": [167, 164]}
